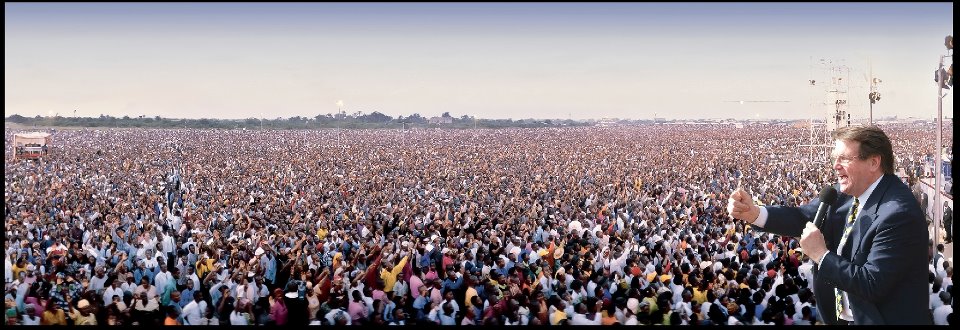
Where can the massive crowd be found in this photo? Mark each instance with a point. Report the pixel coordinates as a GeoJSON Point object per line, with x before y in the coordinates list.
{"type": "Point", "coordinates": [598, 225]}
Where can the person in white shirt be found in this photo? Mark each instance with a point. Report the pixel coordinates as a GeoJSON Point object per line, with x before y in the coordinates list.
{"type": "Point", "coordinates": [400, 287]}
{"type": "Point", "coordinates": [338, 316]}
{"type": "Point", "coordinates": [145, 305]}
{"type": "Point", "coordinates": [8, 266]}
{"type": "Point", "coordinates": [685, 306]}
{"type": "Point", "coordinates": [948, 280]}
{"type": "Point", "coordinates": [98, 281]}
{"type": "Point", "coordinates": [29, 316]}
{"type": "Point", "coordinates": [129, 285]}
{"type": "Point", "coordinates": [448, 316]}
{"type": "Point", "coordinates": [939, 262]}
{"type": "Point", "coordinates": [145, 287]}
{"type": "Point", "coordinates": [175, 220]}
{"type": "Point", "coordinates": [705, 308]}
{"type": "Point", "coordinates": [194, 311]}
{"type": "Point", "coordinates": [192, 276]}
{"type": "Point", "coordinates": [161, 279]}
{"type": "Point", "coordinates": [940, 313]}
{"type": "Point", "coordinates": [208, 317]}
{"type": "Point", "coordinates": [581, 317]}
{"type": "Point", "coordinates": [260, 288]}
{"type": "Point", "coordinates": [806, 271]}
{"type": "Point", "coordinates": [150, 258]}
{"type": "Point", "coordinates": [523, 312]}
{"type": "Point", "coordinates": [676, 287]}
{"type": "Point", "coordinates": [112, 290]}
{"type": "Point", "coordinates": [241, 314]}
{"type": "Point", "coordinates": [574, 226]}
{"type": "Point", "coordinates": [806, 315]}
{"type": "Point", "coordinates": [448, 299]}
{"type": "Point", "coordinates": [245, 290]}
{"type": "Point", "coordinates": [181, 264]}
{"type": "Point", "coordinates": [591, 288]}
{"type": "Point", "coordinates": [169, 245]}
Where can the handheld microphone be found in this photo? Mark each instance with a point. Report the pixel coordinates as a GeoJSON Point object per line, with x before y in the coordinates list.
{"type": "Point", "coordinates": [827, 197]}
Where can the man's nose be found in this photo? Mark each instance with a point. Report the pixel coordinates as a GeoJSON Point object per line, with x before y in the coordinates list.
{"type": "Point", "coordinates": [836, 163]}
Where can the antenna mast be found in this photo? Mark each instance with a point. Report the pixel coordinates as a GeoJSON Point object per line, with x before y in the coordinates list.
{"type": "Point", "coordinates": [826, 116]}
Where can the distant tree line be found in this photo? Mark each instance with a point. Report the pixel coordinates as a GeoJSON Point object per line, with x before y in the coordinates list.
{"type": "Point", "coordinates": [354, 120]}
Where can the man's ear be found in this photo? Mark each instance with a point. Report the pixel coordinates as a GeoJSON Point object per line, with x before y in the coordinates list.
{"type": "Point", "coordinates": [875, 162]}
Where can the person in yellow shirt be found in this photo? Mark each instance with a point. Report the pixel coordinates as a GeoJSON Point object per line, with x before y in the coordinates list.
{"type": "Point", "coordinates": [204, 265]}
{"type": "Point", "coordinates": [559, 317]}
{"type": "Point", "coordinates": [700, 292]}
{"type": "Point", "coordinates": [390, 277]}
{"type": "Point", "coordinates": [651, 299]}
{"type": "Point", "coordinates": [336, 260]}
{"type": "Point", "coordinates": [18, 267]}
{"type": "Point", "coordinates": [53, 315]}
{"type": "Point", "coordinates": [471, 291]}
{"type": "Point", "coordinates": [609, 316]}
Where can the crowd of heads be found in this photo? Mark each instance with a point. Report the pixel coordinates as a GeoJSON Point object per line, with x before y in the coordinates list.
{"type": "Point", "coordinates": [588, 225]}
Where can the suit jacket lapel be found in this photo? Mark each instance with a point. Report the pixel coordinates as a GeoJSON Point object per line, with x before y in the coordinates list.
{"type": "Point", "coordinates": [835, 225]}
{"type": "Point", "coordinates": [868, 214]}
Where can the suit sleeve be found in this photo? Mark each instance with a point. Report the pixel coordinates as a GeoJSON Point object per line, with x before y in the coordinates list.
{"type": "Point", "coordinates": [789, 221]}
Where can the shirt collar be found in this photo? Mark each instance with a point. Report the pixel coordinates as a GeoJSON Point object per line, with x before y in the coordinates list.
{"type": "Point", "coordinates": [866, 193]}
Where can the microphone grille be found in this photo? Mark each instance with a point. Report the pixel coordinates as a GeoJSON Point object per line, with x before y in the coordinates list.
{"type": "Point", "coordinates": [828, 195]}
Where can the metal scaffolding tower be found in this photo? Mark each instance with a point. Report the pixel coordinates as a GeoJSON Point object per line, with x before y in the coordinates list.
{"type": "Point", "coordinates": [829, 85]}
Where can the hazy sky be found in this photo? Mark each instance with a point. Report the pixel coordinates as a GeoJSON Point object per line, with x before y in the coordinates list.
{"type": "Point", "coordinates": [492, 60]}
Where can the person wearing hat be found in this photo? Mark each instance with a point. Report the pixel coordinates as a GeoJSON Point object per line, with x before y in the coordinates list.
{"type": "Point", "coordinates": [651, 277]}
{"type": "Point", "coordinates": [83, 313]}
{"type": "Point", "coordinates": [12, 315]}
{"type": "Point", "coordinates": [31, 276]}
{"type": "Point", "coordinates": [633, 313]}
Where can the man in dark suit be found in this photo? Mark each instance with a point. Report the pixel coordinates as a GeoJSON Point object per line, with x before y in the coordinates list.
{"type": "Point", "coordinates": [948, 222]}
{"type": "Point", "coordinates": [871, 251]}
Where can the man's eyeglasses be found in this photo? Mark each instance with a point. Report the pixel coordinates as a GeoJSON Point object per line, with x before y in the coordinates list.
{"type": "Point", "coordinates": [844, 160]}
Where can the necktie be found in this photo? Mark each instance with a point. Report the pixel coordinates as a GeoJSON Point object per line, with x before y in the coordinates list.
{"type": "Point", "coordinates": [848, 227]}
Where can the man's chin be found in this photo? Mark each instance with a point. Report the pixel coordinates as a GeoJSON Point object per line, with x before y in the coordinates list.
{"type": "Point", "coordinates": [845, 188]}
